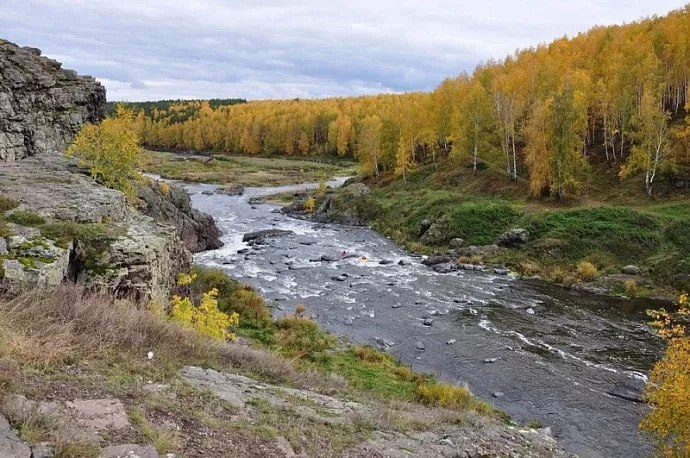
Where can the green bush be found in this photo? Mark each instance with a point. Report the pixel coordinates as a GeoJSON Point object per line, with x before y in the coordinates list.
{"type": "Point", "coordinates": [25, 218]}
{"type": "Point", "coordinates": [297, 335]}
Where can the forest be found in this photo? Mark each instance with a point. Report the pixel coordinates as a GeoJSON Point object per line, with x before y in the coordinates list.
{"type": "Point", "coordinates": [613, 95]}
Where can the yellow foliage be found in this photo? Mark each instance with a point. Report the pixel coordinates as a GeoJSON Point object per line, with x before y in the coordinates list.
{"type": "Point", "coordinates": [443, 394]}
{"type": "Point", "coordinates": [668, 390]}
{"type": "Point", "coordinates": [110, 150]}
{"type": "Point", "coordinates": [587, 271]}
{"type": "Point", "coordinates": [630, 286]}
{"type": "Point", "coordinates": [165, 188]}
{"type": "Point", "coordinates": [310, 204]}
{"type": "Point", "coordinates": [322, 187]}
{"type": "Point", "coordinates": [206, 318]}
{"type": "Point", "coordinates": [184, 279]}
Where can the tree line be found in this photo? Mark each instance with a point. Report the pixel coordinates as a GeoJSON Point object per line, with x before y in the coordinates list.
{"type": "Point", "coordinates": [615, 94]}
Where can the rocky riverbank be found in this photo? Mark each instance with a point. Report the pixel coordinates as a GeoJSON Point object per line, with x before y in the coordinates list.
{"type": "Point", "coordinates": [528, 251]}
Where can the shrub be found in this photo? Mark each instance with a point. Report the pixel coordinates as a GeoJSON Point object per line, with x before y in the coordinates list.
{"type": "Point", "coordinates": [310, 204]}
{"type": "Point", "coordinates": [451, 397]}
{"type": "Point", "coordinates": [630, 286]}
{"type": "Point", "coordinates": [233, 297]}
{"type": "Point", "coordinates": [668, 389]}
{"type": "Point", "coordinates": [7, 203]}
{"type": "Point", "coordinates": [475, 259]}
{"type": "Point", "coordinates": [297, 335]}
{"type": "Point", "coordinates": [587, 271]}
{"type": "Point", "coordinates": [205, 317]}
{"type": "Point", "coordinates": [529, 268]}
{"type": "Point", "coordinates": [165, 188]}
{"type": "Point", "coordinates": [25, 218]}
{"type": "Point", "coordinates": [110, 150]}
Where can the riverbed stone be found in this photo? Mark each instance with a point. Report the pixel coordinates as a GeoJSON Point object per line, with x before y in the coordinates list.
{"type": "Point", "coordinates": [514, 238]}
{"type": "Point", "coordinates": [631, 270]}
{"type": "Point", "coordinates": [250, 236]}
{"type": "Point", "coordinates": [419, 345]}
{"type": "Point", "coordinates": [433, 260]}
{"type": "Point", "coordinates": [629, 390]}
{"type": "Point", "coordinates": [230, 189]}
{"type": "Point", "coordinates": [444, 268]}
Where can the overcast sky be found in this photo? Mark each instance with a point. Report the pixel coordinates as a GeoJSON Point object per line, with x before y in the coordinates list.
{"type": "Point", "coordinates": [258, 49]}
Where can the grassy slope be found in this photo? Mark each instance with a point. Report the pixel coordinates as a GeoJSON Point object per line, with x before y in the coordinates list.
{"type": "Point", "coordinates": [69, 344]}
{"type": "Point", "coordinates": [246, 170]}
{"type": "Point", "coordinates": [611, 223]}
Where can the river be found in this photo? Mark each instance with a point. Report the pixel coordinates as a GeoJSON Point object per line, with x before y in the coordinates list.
{"type": "Point", "coordinates": [539, 352]}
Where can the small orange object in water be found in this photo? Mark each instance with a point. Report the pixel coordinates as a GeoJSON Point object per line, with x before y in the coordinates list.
{"type": "Point", "coordinates": [364, 258]}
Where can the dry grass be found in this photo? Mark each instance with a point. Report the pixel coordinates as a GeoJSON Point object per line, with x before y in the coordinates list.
{"type": "Point", "coordinates": [587, 271]}
{"type": "Point", "coordinates": [630, 286]}
{"type": "Point", "coordinates": [65, 324]}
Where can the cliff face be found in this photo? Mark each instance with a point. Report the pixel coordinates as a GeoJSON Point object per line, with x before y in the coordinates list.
{"type": "Point", "coordinates": [42, 106]}
{"type": "Point", "coordinates": [103, 241]}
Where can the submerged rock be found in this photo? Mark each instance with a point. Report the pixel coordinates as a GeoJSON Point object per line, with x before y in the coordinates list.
{"type": "Point", "coordinates": [433, 260]}
{"type": "Point", "coordinates": [630, 390]}
{"type": "Point", "coordinates": [231, 189]}
{"type": "Point", "coordinates": [250, 236]}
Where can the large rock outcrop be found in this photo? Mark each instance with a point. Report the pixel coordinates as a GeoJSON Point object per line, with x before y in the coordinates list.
{"type": "Point", "coordinates": [42, 106]}
{"type": "Point", "coordinates": [171, 204]}
{"type": "Point", "coordinates": [140, 260]}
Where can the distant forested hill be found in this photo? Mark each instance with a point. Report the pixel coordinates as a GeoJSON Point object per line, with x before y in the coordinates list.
{"type": "Point", "coordinates": [191, 107]}
{"type": "Point", "coordinates": [614, 96]}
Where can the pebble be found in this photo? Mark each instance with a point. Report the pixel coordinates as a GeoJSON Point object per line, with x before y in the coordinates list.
{"type": "Point", "coordinates": [451, 342]}
{"type": "Point", "coordinates": [490, 360]}
{"type": "Point", "coordinates": [530, 311]}
{"type": "Point", "coordinates": [428, 322]}
{"type": "Point", "coordinates": [420, 346]}
{"type": "Point", "coordinates": [447, 442]}
{"type": "Point", "coordinates": [396, 306]}
{"type": "Point", "coordinates": [497, 394]}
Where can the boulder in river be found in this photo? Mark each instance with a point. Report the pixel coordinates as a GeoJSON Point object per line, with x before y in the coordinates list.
{"type": "Point", "coordinates": [444, 268]}
{"type": "Point", "coordinates": [433, 260]}
{"type": "Point", "coordinates": [329, 258]}
{"type": "Point", "coordinates": [231, 189]}
{"type": "Point", "coordinates": [514, 238]}
{"type": "Point", "coordinates": [250, 236]}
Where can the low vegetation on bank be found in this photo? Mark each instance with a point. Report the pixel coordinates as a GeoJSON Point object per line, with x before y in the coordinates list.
{"type": "Point", "coordinates": [103, 343]}
{"type": "Point", "coordinates": [589, 239]}
{"type": "Point", "coordinates": [244, 170]}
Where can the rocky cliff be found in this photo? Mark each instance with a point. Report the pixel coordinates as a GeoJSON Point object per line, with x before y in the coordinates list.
{"type": "Point", "coordinates": [42, 106]}
{"type": "Point", "coordinates": [57, 224]}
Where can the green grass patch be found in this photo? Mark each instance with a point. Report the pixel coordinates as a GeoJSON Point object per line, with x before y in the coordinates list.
{"type": "Point", "coordinates": [246, 170]}
{"type": "Point", "coordinates": [26, 218]}
{"type": "Point", "coordinates": [384, 376]}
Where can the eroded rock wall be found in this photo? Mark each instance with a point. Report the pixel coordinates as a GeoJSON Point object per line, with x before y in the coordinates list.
{"type": "Point", "coordinates": [42, 105]}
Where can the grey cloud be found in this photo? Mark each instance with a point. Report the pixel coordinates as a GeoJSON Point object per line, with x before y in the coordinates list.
{"type": "Point", "coordinates": [305, 48]}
